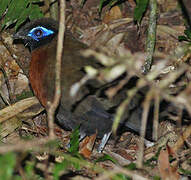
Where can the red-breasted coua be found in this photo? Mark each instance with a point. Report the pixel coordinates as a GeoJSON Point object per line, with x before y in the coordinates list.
{"type": "Point", "coordinates": [84, 109]}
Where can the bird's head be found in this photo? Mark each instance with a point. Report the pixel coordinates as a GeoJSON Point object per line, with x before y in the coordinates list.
{"type": "Point", "coordinates": [37, 33]}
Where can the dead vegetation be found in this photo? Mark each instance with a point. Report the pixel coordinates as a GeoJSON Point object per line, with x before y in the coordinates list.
{"type": "Point", "coordinates": [119, 45]}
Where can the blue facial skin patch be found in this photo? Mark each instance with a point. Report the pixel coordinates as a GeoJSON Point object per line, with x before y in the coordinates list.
{"type": "Point", "coordinates": [39, 32]}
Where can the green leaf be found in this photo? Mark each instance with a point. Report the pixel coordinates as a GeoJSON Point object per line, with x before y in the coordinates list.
{"type": "Point", "coordinates": [24, 95]}
{"type": "Point", "coordinates": [185, 172]}
{"type": "Point", "coordinates": [131, 166]}
{"type": "Point", "coordinates": [7, 162]}
{"type": "Point", "coordinates": [182, 38]}
{"type": "Point", "coordinates": [14, 11]}
{"type": "Point", "coordinates": [35, 12]}
{"type": "Point", "coordinates": [74, 141]}
{"type": "Point", "coordinates": [112, 2]}
{"type": "Point", "coordinates": [76, 166]}
{"type": "Point", "coordinates": [187, 32]}
{"type": "Point", "coordinates": [82, 3]}
{"type": "Point", "coordinates": [23, 17]}
{"type": "Point", "coordinates": [30, 171]}
{"type": "Point", "coordinates": [156, 178]}
{"type": "Point", "coordinates": [17, 177]}
{"type": "Point", "coordinates": [3, 6]}
{"type": "Point", "coordinates": [18, 11]}
{"type": "Point", "coordinates": [29, 168]}
{"type": "Point", "coordinates": [106, 157]}
{"type": "Point", "coordinates": [120, 177]}
{"type": "Point", "coordinates": [140, 9]}
{"type": "Point", "coordinates": [59, 167]}
{"type": "Point", "coordinates": [101, 2]}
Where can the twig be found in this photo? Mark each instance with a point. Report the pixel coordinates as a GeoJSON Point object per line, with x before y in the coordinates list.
{"type": "Point", "coordinates": [21, 172]}
{"type": "Point", "coordinates": [57, 95]}
{"type": "Point", "coordinates": [151, 37]}
{"type": "Point", "coordinates": [54, 9]}
{"type": "Point", "coordinates": [146, 106]}
{"type": "Point", "coordinates": [131, 93]}
{"type": "Point", "coordinates": [156, 115]}
{"type": "Point", "coordinates": [24, 145]}
{"type": "Point", "coordinates": [113, 90]}
{"type": "Point", "coordinates": [145, 80]}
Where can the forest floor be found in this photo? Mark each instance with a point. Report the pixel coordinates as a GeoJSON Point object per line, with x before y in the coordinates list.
{"type": "Point", "coordinates": [113, 33]}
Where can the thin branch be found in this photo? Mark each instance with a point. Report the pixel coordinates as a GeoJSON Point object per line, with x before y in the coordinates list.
{"type": "Point", "coordinates": [156, 115]}
{"type": "Point", "coordinates": [24, 145]}
{"type": "Point", "coordinates": [121, 109]}
{"type": "Point", "coordinates": [151, 37]}
{"type": "Point", "coordinates": [146, 106]}
{"type": "Point", "coordinates": [54, 9]}
{"type": "Point", "coordinates": [57, 95]}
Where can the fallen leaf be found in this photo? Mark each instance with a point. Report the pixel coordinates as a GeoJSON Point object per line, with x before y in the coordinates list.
{"type": "Point", "coordinates": [86, 145]}
{"type": "Point", "coordinates": [167, 172]}
{"type": "Point", "coordinates": [113, 14]}
{"type": "Point", "coordinates": [185, 135]}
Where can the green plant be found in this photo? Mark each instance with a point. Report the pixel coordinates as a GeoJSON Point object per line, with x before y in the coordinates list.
{"type": "Point", "coordinates": [17, 11]}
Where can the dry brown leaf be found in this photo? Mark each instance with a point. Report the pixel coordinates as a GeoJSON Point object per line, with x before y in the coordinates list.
{"type": "Point", "coordinates": [86, 146]}
{"type": "Point", "coordinates": [113, 14]}
{"type": "Point", "coordinates": [185, 135]}
{"type": "Point", "coordinates": [166, 171]}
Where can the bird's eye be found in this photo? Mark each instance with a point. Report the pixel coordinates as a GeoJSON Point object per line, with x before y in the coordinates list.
{"type": "Point", "coordinates": [40, 32]}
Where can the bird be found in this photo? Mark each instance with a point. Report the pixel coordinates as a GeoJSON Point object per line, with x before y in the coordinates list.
{"type": "Point", "coordinates": [85, 109]}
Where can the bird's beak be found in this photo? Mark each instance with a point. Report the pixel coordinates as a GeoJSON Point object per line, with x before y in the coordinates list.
{"type": "Point", "coordinates": [20, 35]}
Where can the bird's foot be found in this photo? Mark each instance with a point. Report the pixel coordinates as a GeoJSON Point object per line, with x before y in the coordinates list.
{"type": "Point", "coordinates": [104, 141]}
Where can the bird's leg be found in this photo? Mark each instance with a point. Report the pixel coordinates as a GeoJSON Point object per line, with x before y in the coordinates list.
{"type": "Point", "coordinates": [104, 141]}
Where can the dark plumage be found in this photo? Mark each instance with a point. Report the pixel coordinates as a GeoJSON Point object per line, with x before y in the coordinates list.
{"type": "Point", "coordinates": [84, 109]}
